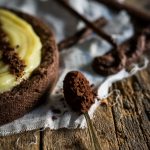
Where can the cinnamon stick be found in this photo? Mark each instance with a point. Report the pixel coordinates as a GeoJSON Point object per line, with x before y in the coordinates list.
{"type": "Point", "coordinates": [98, 31]}
{"type": "Point", "coordinates": [81, 35]}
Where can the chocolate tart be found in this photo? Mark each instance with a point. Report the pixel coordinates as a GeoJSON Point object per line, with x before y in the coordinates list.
{"type": "Point", "coordinates": [28, 94]}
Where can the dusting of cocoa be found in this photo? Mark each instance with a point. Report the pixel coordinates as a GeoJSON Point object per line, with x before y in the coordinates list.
{"type": "Point", "coordinates": [9, 56]}
{"type": "Point", "coordinates": [78, 93]}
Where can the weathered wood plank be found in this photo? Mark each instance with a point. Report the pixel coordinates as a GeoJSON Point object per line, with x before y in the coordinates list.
{"type": "Point", "coordinates": [22, 141]}
{"type": "Point", "coordinates": [79, 139]}
{"type": "Point", "coordinates": [123, 126]}
{"type": "Point", "coordinates": [132, 125]}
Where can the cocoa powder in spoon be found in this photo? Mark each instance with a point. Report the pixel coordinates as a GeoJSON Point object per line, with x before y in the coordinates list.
{"type": "Point", "coordinates": [77, 92]}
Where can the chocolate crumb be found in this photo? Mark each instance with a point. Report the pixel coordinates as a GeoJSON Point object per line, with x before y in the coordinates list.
{"type": "Point", "coordinates": [9, 56]}
{"type": "Point", "coordinates": [77, 92]}
{"type": "Point", "coordinates": [92, 85]}
{"type": "Point", "coordinates": [54, 118]}
{"type": "Point", "coordinates": [104, 102]}
{"type": "Point", "coordinates": [17, 46]}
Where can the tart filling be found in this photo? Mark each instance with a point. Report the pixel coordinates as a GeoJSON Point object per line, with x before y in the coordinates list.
{"type": "Point", "coordinates": [23, 44]}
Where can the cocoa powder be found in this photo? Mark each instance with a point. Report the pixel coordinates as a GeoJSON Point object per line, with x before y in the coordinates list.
{"type": "Point", "coordinates": [78, 93]}
{"type": "Point", "coordinates": [9, 56]}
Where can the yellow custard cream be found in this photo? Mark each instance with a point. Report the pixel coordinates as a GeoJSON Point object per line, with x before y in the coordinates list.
{"type": "Point", "coordinates": [20, 33]}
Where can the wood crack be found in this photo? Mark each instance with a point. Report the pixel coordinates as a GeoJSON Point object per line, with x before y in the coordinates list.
{"type": "Point", "coordinates": [41, 140]}
{"type": "Point", "coordinates": [142, 121]}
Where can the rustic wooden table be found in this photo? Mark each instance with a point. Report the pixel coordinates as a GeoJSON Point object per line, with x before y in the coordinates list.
{"type": "Point", "coordinates": [124, 125]}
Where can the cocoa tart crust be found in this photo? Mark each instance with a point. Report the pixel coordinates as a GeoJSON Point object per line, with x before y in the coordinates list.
{"type": "Point", "coordinates": [27, 95]}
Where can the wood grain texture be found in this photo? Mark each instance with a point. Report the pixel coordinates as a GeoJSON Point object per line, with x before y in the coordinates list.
{"type": "Point", "coordinates": [23, 141]}
{"type": "Point", "coordinates": [122, 125]}
{"type": "Point", "coordinates": [79, 139]}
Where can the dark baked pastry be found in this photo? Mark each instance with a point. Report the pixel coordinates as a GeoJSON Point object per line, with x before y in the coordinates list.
{"type": "Point", "coordinates": [24, 96]}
